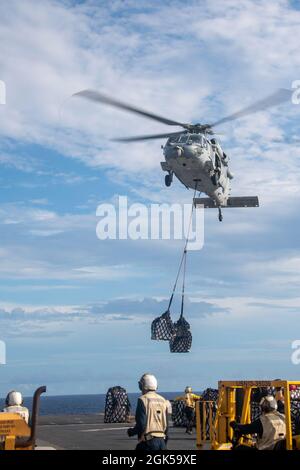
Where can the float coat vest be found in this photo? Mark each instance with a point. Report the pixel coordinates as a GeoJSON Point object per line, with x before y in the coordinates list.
{"type": "Point", "coordinates": [20, 410]}
{"type": "Point", "coordinates": [274, 430]}
{"type": "Point", "coordinates": [156, 411]}
{"type": "Point", "coordinates": [190, 399]}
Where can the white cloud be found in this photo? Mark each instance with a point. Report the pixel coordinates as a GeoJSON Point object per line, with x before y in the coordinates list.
{"type": "Point", "coordinates": [284, 271]}
{"type": "Point", "coordinates": [59, 48]}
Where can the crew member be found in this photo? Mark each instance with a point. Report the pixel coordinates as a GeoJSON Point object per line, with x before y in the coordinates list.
{"type": "Point", "coordinates": [14, 404]}
{"type": "Point", "coordinates": [270, 427]}
{"type": "Point", "coordinates": [151, 417]}
{"type": "Point", "coordinates": [189, 399]}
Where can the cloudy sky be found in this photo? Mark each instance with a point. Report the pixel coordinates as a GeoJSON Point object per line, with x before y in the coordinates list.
{"type": "Point", "coordinates": [75, 312]}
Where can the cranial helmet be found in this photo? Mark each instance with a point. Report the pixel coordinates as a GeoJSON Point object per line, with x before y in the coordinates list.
{"type": "Point", "coordinates": [268, 403]}
{"type": "Point", "coordinates": [148, 382]}
{"type": "Point", "coordinates": [14, 398]}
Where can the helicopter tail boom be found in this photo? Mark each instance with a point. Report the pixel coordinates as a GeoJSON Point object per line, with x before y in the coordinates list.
{"type": "Point", "coordinates": [245, 201]}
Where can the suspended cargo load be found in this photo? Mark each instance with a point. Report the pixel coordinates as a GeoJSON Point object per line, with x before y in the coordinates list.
{"type": "Point", "coordinates": [182, 341]}
{"type": "Point", "coordinates": [162, 328]}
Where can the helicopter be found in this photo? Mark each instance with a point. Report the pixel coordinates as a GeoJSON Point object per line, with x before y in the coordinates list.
{"type": "Point", "coordinates": [193, 154]}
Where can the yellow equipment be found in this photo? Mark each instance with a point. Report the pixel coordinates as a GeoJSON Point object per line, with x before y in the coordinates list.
{"type": "Point", "coordinates": [213, 419]}
{"type": "Point", "coordinates": [16, 432]}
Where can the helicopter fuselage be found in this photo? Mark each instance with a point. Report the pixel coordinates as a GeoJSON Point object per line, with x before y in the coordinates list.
{"type": "Point", "coordinates": [198, 163]}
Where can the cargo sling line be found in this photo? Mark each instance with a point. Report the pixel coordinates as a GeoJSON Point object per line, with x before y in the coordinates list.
{"type": "Point", "coordinates": [178, 334]}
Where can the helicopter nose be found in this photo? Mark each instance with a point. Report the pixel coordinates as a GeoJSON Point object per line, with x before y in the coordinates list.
{"type": "Point", "coordinates": [175, 152]}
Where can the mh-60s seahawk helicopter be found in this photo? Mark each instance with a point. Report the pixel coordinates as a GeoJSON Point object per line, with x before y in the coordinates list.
{"type": "Point", "coordinates": [193, 155]}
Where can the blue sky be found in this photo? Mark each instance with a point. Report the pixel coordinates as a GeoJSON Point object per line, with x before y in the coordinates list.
{"type": "Point", "coordinates": [75, 312]}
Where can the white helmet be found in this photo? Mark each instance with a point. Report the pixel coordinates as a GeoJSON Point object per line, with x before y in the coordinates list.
{"type": "Point", "coordinates": [268, 404]}
{"type": "Point", "coordinates": [188, 390]}
{"type": "Point", "coordinates": [14, 398]}
{"type": "Point", "coordinates": [148, 382]}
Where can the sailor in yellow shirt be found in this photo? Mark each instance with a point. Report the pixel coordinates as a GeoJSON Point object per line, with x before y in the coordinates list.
{"type": "Point", "coordinates": [189, 399]}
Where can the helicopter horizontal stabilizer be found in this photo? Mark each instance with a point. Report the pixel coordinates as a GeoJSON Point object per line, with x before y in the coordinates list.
{"type": "Point", "coordinates": [246, 201]}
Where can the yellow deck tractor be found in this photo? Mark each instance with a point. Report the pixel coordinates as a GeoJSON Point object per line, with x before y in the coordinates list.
{"type": "Point", "coordinates": [239, 401]}
{"type": "Point", "coordinates": [15, 433]}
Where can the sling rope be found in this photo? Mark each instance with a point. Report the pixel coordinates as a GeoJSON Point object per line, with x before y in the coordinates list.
{"type": "Point", "coordinates": [162, 328]}
{"type": "Point", "coordinates": [183, 261]}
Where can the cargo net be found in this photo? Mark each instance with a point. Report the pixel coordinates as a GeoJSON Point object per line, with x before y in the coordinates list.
{"type": "Point", "coordinates": [256, 395]}
{"type": "Point", "coordinates": [178, 414]}
{"type": "Point", "coordinates": [117, 406]}
{"type": "Point", "coordinates": [295, 410]}
{"type": "Point", "coordinates": [162, 328]}
{"type": "Point", "coordinates": [182, 340]}
{"type": "Point", "coordinates": [210, 410]}
{"type": "Point", "coordinates": [210, 394]}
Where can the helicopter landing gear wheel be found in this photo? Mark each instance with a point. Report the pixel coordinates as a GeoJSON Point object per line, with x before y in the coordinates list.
{"type": "Point", "coordinates": [220, 215]}
{"type": "Point", "coordinates": [168, 179]}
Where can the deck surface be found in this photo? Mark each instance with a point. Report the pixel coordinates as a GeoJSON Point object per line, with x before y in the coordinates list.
{"type": "Point", "coordinates": [91, 433]}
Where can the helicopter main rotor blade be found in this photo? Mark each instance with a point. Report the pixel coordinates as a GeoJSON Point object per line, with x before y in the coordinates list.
{"type": "Point", "coordinates": [280, 96]}
{"type": "Point", "coordinates": [100, 98]}
{"type": "Point", "coordinates": [286, 140]}
{"type": "Point", "coordinates": [147, 137]}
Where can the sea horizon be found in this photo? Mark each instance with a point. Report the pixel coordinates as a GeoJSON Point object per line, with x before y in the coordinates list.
{"type": "Point", "coordinates": [81, 403]}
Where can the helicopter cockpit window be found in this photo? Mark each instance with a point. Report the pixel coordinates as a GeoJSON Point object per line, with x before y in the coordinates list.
{"type": "Point", "coordinates": [195, 138]}
{"type": "Point", "coordinates": [183, 139]}
{"type": "Point", "coordinates": [172, 140]}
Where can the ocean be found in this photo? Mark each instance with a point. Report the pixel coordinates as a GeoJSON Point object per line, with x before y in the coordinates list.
{"type": "Point", "coordinates": [80, 404]}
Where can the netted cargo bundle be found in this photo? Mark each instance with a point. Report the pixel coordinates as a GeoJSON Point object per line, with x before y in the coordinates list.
{"type": "Point", "coordinates": [178, 415]}
{"type": "Point", "coordinates": [295, 409]}
{"type": "Point", "coordinates": [256, 395]}
{"type": "Point", "coordinates": [162, 328]}
{"type": "Point", "coordinates": [210, 394]}
{"type": "Point", "coordinates": [117, 405]}
{"type": "Point", "coordinates": [295, 393]}
{"type": "Point", "coordinates": [208, 412]}
{"type": "Point", "coordinates": [182, 341]}
{"type": "Point", "coordinates": [255, 410]}
{"type": "Point", "coordinates": [295, 412]}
